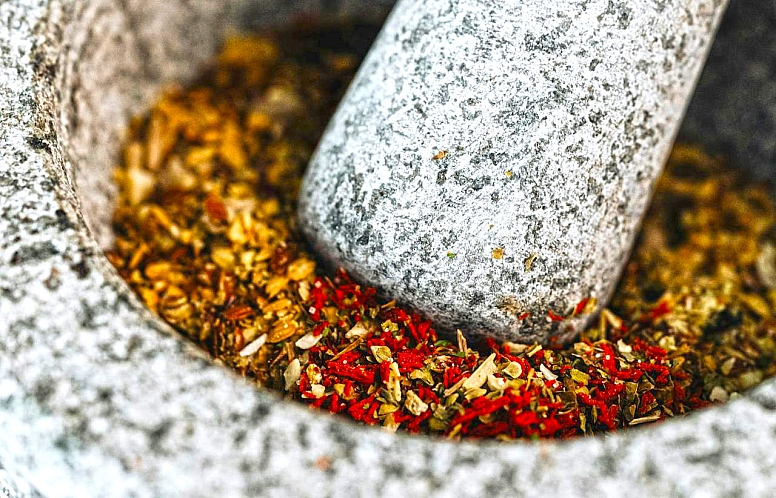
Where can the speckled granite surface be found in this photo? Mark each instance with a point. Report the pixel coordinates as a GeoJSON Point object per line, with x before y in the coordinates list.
{"type": "Point", "coordinates": [556, 117]}
{"type": "Point", "coordinates": [98, 398]}
{"type": "Point", "coordinates": [11, 487]}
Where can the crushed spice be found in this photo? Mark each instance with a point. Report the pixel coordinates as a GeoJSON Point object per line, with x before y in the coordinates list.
{"type": "Point", "coordinates": [206, 236]}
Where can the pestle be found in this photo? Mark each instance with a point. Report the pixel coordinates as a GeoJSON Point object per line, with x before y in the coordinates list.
{"type": "Point", "coordinates": [492, 160]}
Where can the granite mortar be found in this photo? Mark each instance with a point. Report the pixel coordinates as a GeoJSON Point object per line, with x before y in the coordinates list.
{"type": "Point", "coordinates": [99, 398]}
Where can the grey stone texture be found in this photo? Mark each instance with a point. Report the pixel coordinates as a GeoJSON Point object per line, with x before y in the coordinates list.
{"type": "Point", "coordinates": [12, 487]}
{"type": "Point", "coordinates": [556, 119]}
{"type": "Point", "coordinates": [99, 398]}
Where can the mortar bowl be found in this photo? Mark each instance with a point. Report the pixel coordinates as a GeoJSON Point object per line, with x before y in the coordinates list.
{"type": "Point", "coordinates": [98, 397]}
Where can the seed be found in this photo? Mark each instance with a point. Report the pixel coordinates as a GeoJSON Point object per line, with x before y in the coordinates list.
{"type": "Point", "coordinates": [140, 184]}
{"type": "Point", "coordinates": [275, 285]}
{"type": "Point", "coordinates": [157, 270]}
{"type": "Point", "coordinates": [307, 341]}
{"type": "Point", "coordinates": [292, 373]}
{"type": "Point", "coordinates": [236, 232]}
{"type": "Point", "coordinates": [231, 150]}
{"type": "Point", "coordinates": [317, 390]}
{"type": "Point", "coordinates": [254, 346]}
{"type": "Point", "coordinates": [277, 305]}
{"type": "Point", "coordinates": [480, 375]}
{"type": "Point", "coordinates": [238, 312]}
{"type": "Point", "coordinates": [223, 257]}
{"type": "Point", "coordinates": [281, 332]}
{"type": "Point", "coordinates": [301, 269]}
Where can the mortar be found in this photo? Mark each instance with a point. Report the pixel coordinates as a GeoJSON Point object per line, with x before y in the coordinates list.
{"type": "Point", "coordinates": [98, 397]}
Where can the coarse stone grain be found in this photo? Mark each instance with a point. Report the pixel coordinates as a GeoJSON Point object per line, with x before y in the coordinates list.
{"type": "Point", "coordinates": [99, 398]}
{"type": "Point", "coordinates": [11, 487]}
{"type": "Point", "coordinates": [556, 119]}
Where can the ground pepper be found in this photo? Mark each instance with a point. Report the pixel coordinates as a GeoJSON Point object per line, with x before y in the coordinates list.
{"type": "Point", "coordinates": [205, 234]}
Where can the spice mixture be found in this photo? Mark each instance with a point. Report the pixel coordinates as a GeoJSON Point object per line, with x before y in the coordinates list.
{"type": "Point", "coordinates": [205, 234]}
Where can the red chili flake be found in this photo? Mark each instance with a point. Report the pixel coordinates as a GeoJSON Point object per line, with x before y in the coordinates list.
{"type": "Point", "coordinates": [427, 394]}
{"type": "Point", "coordinates": [400, 417]}
{"type": "Point", "coordinates": [451, 376]}
{"type": "Point", "coordinates": [609, 360]}
{"type": "Point", "coordinates": [414, 425]}
{"type": "Point", "coordinates": [586, 399]}
{"type": "Point", "coordinates": [414, 332]}
{"type": "Point", "coordinates": [318, 329]}
{"type": "Point", "coordinates": [680, 375]}
{"type": "Point", "coordinates": [696, 402]}
{"type": "Point", "coordinates": [606, 413]}
{"type": "Point", "coordinates": [491, 344]}
{"type": "Point", "coordinates": [480, 406]}
{"type": "Point", "coordinates": [349, 357]}
{"type": "Point", "coordinates": [608, 416]}
{"type": "Point", "coordinates": [581, 306]}
{"type": "Point", "coordinates": [679, 392]}
{"type": "Point", "coordinates": [662, 371]}
{"type": "Point", "coordinates": [358, 409]}
{"type": "Point", "coordinates": [362, 374]}
{"type": "Point", "coordinates": [554, 316]}
{"type": "Point", "coordinates": [609, 392]}
{"type": "Point", "coordinates": [663, 308]}
{"type": "Point", "coordinates": [347, 391]}
{"type": "Point", "coordinates": [304, 382]}
{"type": "Point", "coordinates": [370, 415]}
{"type": "Point", "coordinates": [551, 426]}
{"type": "Point", "coordinates": [385, 370]}
{"type": "Point", "coordinates": [629, 374]}
{"type": "Point", "coordinates": [396, 315]}
{"type": "Point", "coordinates": [424, 330]}
{"type": "Point", "coordinates": [489, 430]}
{"type": "Point", "coordinates": [409, 360]}
{"type": "Point", "coordinates": [655, 352]}
{"type": "Point", "coordinates": [646, 401]}
{"type": "Point", "coordinates": [523, 315]}
{"type": "Point", "coordinates": [525, 419]}
{"type": "Point", "coordinates": [319, 402]}
{"type": "Point", "coordinates": [336, 405]}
